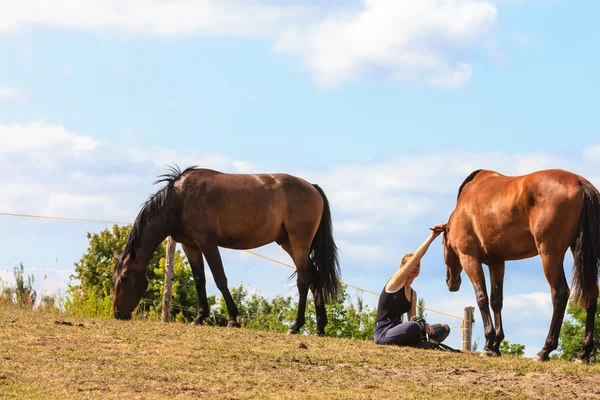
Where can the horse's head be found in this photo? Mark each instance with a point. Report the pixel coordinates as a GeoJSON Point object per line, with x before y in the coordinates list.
{"type": "Point", "coordinates": [130, 284]}
{"type": "Point", "coordinates": [453, 266]}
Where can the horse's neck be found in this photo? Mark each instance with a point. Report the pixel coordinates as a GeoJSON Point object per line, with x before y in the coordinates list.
{"type": "Point", "coordinates": [152, 236]}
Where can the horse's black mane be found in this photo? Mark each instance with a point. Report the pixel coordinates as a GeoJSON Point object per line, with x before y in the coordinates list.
{"type": "Point", "coordinates": [150, 209]}
{"type": "Point", "coordinates": [467, 180]}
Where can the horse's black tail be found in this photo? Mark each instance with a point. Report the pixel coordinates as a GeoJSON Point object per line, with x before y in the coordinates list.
{"type": "Point", "coordinates": [587, 249]}
{"type": "Point", "coordinates": [324, 257]}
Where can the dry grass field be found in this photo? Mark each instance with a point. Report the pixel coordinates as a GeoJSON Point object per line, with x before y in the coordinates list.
{"type": "Point", "coordinates": [97, 359]}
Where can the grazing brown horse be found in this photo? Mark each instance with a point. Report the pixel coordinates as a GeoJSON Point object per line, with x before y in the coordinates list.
{"type": "Point", "coordinates": [499, 218]}
{"type": "Point", "coordinates": [203, 209]}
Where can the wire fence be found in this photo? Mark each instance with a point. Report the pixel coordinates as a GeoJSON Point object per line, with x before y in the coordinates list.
{"type": "Point", "coordinates": [99, 221]}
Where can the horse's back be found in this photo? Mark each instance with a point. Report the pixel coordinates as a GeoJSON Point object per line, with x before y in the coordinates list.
{"type": "Point", "coordinates": [208, 179]}
{"type": "Point", "coordinates": [506, 215]}
{"type": "Point", "coordinates": [247, 210]}
{"type": "Point", "coordinates": [551, 186]}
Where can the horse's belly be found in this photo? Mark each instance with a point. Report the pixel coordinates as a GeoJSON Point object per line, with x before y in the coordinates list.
{"type": "Point", "coordinates": [510, 247]}
{"type": "Point", "coordinates": [243, 243]}
{"type": "Point", "coordinates": [249, 234]}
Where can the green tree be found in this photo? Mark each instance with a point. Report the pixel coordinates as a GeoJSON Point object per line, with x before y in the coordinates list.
{"type": "Point", "coordinates": [512, 348]}
{"type": "Point", "coordinates": [345, 319]}
{"type": "Point", "coordinates": [90, 293]}
{"type": "Point", "coordinates": [255, 311]}
{"type": "Point", "coordinates": [421, 309]}
{"type": "Point", "coordinates": [573, 332]}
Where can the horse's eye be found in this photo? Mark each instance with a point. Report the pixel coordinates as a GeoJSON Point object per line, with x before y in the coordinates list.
{"type": "Point", "coordinates": [124, 277]}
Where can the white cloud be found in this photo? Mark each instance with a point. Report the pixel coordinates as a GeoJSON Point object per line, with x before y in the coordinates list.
{"type": "Point", "coordinates": [363, 252]}
{"type": "Point", "coordinates": [359, 201]}
{"type": "Point", "coordinates": [112, 181]}
{"type": "Point", "coordinates": [592, 152]}
{"type": "Point", "coordinates": [9, 93]}
{"type": "Point", "coordinates": [427, 42]}
{"type": "Point", "coordinates": [61, 203]}
{"type": "Point", "coordinates": [528, 305]}
{"type": "Point", "coordinates": [162, 157]}
{"type": "Point", "coordinates": [417, 42]}
{"type": "Point", "coordinates": [39, 135]}
{"type": "Point", "coordinates": [453, 303]}
{"type": "Point", "coordinates": [245, 166]}
{"type": "Point", "coordinates": [533, 162]}
{"type": "Point", "coordinates": [17, 194]}
{"type": "Point", "coordinates": [353, 226]}
{"type": "Point", "coordinates": [54, 171]}
{"type": "Point", "coordinates": [179, 18]}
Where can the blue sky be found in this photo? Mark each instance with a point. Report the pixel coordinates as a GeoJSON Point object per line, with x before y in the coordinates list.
{"type": "Point", "coordinates": [387, 105]}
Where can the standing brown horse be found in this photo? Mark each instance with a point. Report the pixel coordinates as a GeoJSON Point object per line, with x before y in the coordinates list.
{"type": "Point", "coordinates": [499, 218]}
{"type": "Point", "coordinates": [203, 209]}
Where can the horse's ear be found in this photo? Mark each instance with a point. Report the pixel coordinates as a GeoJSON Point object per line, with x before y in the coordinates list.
{"type": "Point", "coordinates": [116, 256]}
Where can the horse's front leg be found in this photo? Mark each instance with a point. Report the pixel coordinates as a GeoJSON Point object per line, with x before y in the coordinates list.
{"type": "Point", "coordinates": [194, 256]}
{"type": "Point", "coordinates": [497, 282]}
{"type": "Point", "coordinates": [474, 271]}
{"type": "Point", "coordinates": [216, 267]}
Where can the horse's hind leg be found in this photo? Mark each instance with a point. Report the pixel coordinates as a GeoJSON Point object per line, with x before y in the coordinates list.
{"type": "Point", "coordinates": [317, 296]}
{"type": "Point", "coordinates": [552, 262]}
{"type": "Point", "coordinates": [300, 254]}
{"type": "Point", "coordinates": [496, 299]}
{"type": "Point", "coordinates": [474, 271]}
{"type": "Point", "coordinates": [213, 257]}
{"type": "Point", "coordinates": [194, 256]}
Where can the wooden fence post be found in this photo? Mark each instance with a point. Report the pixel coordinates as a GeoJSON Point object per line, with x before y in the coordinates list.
{"type": "Point", "coordinates": [169, 277]}
{"type": "Point", "coordinates": [467, 329]}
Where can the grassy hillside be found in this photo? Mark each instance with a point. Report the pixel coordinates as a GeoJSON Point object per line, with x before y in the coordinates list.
{"type": "Point", "coordinates": [40, 359]}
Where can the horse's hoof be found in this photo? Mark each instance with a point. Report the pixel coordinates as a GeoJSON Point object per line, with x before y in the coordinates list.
{"type": "Point", "coordinates": [233, 324]}
{"type": "Point", "coordinates": [293, 332]}
{"type": "Point", "coordinates": [320, 334]}
{"type": "Point", "coordinates": [488, 353]}
{"type": "Point", "coordinates": [197, 322]}
{"type": "Point", "coordinates": [538, 358]}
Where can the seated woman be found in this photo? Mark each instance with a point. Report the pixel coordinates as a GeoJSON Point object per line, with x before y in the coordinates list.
{"type": "Point", "coordinates": [397, 298]}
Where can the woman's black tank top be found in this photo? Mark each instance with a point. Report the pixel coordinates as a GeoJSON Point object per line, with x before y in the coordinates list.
{"type": "Point", "coordinates": [393, 305]}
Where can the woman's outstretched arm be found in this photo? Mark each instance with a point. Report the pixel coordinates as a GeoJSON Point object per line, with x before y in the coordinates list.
{"type": "Point", "coordinates": [399, 278]}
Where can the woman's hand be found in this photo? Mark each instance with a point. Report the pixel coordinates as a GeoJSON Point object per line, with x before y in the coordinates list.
{"type": "Point", "coordinates": [430, 330]}
{"type": "Point", "coordinates": [437, 230]}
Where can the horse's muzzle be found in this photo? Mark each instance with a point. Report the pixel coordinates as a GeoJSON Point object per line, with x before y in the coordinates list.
{"type": "Point", "coordinates": [453, 286]}
{"type": "Point", "coordinates": [121, 316]}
